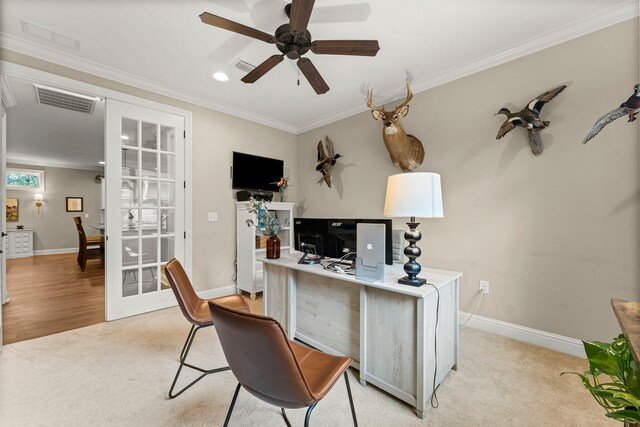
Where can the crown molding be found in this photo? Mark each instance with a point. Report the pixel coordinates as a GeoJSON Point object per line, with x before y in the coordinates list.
{"type": "Point", "coordinates": [614, 15]}
{"type": "Point", "coordinates": [59, 57]}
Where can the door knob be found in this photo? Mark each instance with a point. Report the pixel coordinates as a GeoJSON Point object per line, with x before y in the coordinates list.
{"type": "Point", "coordinates": [3, 234]}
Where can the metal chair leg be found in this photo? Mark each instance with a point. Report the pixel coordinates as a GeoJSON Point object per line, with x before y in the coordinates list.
{"type": "Point", "coordinates": [306, 417]}
{"type": "Point", "coordinates": [233, 403]}
{"type": "Point", "coordinates": [183, 357]}
{"type": "Point", "coordinates": [286, 420]}
{"type": "Point", "coordinates": [353, 409]}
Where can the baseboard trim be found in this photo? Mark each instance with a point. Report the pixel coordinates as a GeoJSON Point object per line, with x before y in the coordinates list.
{"type": "Point", "coordinates": [537, 337]}
{"type": "Point", "coordinates": [55, 251]}
{"type": "Point", "coordinates": [218, 292]}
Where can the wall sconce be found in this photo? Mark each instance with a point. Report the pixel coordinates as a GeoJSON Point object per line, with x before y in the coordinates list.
{"type": "Point", "coordinates": [38, 198]}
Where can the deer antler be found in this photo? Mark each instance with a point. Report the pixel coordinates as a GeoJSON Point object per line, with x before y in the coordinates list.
{"type": "Point", "coordinates": [370, 103]}
{"type": "Point", "coordinates": [406, 101]}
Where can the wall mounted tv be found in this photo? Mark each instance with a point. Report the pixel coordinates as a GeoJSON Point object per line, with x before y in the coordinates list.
{"type": "Point", "coordinates": [251, 172]}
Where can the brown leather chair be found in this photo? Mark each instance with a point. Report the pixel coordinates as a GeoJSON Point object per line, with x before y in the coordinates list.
{"type": "Point", "coordinates": [196, 311]}
{"type": "Point", "coordinates": [87, 245]}
{"type": "Point", "coordinates": [271, 367]}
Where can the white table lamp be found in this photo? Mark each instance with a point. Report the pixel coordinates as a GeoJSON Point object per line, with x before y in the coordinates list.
{"type": "Point", "coordinates": [413, 194]}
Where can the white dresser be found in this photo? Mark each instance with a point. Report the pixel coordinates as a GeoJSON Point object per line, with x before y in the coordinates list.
{"type": "Point", "coordinates": [19, 243]}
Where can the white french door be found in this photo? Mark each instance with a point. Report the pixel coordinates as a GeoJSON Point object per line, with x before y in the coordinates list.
{"type": "Point", "coordinates": [145, 220]}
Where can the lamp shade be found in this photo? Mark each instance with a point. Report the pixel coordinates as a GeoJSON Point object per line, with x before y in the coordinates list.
{"type": "Point", "coordinates": [38, 197]}
{"type": "Point", "coordinates": [414, 194]}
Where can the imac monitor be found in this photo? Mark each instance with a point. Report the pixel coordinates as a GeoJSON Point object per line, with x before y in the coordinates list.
{"type": "Point", "coordinates": [370, 263]}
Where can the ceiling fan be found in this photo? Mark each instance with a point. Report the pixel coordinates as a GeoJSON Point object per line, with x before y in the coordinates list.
{"type": "Point", "coordinates": [294, 40]}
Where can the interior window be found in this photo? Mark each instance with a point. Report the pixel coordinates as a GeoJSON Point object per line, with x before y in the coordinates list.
{"type": "Point", "coordinates": [20, 179]}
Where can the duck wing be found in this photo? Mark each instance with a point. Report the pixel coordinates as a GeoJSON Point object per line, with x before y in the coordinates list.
{"type": "Point", "coordinates": [321, 155]}
{"type": "Point", "coordinates": [535, 142]}
{"type": "Point", "coordinates": [538, 102]}
{"type": "Point", "coordinates": [329, 145]}
{"type": "Point", "coordinates": [508, 126]}
{"type": "Point", "coordinates": [605, 120]}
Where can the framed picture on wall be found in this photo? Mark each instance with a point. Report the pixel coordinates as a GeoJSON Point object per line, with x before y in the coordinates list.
{"type": "Point", "coordinates": [74, 204]}
{"type": "Point", "coordinates": [12, 209]}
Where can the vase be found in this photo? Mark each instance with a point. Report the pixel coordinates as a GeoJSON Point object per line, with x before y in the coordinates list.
{"type": "Point", "coordinates": [273, 247]}
{"type": "Point", "coordinates": [281, 191]}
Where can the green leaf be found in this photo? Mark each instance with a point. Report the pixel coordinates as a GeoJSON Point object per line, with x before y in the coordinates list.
{"type": "Point", "coordinates": [626, 415]}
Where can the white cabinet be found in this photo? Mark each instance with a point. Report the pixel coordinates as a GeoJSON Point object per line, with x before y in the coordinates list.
{"type": "Point", "coordinates": [19, 243]}
{"type": "Point", "coordinates": [249, 269]}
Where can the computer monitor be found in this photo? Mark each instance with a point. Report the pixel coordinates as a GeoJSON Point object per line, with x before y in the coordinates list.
{"type": "Point", "coordinates": [337, 237]}
{"type": "Point", "coordinates": [310, 231]}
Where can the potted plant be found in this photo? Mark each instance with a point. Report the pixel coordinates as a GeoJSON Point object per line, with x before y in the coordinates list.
{"type": "Point", "coordinates": [266, 224]}
{"type": "Point", "coordinates": [613, 379]}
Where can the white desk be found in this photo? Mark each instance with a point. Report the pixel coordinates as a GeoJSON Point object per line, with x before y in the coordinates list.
{"type": "Point", "coordinates": [386, 328]}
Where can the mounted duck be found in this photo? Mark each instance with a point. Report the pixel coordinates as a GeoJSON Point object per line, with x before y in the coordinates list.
{"type": "Point", "coordinates": [529, 119]}
{"type": "Point", "coordinates": [630, 107]}
{"type": "Point", "coordinates": [326, 159]}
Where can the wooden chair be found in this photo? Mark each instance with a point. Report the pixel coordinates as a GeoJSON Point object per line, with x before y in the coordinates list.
{"type": "Point", "coordinates": [87, 245]}
{"type": "Point", "coordinates": [272, 368]}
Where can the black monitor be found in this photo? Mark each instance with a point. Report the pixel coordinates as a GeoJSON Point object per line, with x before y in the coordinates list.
{"type": "Point", "coordinates": [310, 231]}
{"type": "Point", "coordinates": [336, 237]}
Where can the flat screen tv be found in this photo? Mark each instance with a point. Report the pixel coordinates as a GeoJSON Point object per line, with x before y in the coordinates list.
{"type": "Point", "coordinates": [251, 172]}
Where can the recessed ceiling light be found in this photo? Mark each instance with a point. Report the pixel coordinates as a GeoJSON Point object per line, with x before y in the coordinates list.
{"type": "Point", "coordinates": [220, 76]}
{"type": "Point", "coordinates": [124, 137]}
{"type": "Point", "coordinates": [101, 162]}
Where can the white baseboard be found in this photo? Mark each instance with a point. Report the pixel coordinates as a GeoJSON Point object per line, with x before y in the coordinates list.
{"type": "Point", "coordinates": [217, 292]}
{"type": "Point", "coordinates": [55, 251]}
{"type": "Point", "coordinates": [537, 337]}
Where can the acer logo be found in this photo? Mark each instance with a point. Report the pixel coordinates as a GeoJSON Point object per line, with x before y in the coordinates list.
{"type": "Point", "coordinates": [298, 222]}
{"type": "Point", "coordinates": [336, 224]}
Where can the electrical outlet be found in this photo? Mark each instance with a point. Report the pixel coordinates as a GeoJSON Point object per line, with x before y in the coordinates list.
{"type": "Point", "coordinates": [212, 216]}
{"type": "Point", "coordinates": [484, 287]}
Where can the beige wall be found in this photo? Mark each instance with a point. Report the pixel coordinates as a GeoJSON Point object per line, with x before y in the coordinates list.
{"type": "Point", "coordinates": [53, 227]}
{"type": "Point", "coordinates": [215, 136]}
{"type": "Point", "coordinates": [556, 235]}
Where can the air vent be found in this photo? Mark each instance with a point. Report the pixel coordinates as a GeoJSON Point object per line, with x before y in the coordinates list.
{"type": "Point", "coordinates": [64, 99]}
{"type": "Point", "coordinates": [49, 35]}
{"type": "Point", "coordinates": [244, 66]}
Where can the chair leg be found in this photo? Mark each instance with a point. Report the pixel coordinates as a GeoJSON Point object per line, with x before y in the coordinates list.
{"type": "Point", "coordinates": [353, 409]}
{"type": "Point", "coordinates": [184, 347]}
{"type": "Point", "coordinates": [306, 417]}
{"type": "Point", "coordinates": [286, 420]}
{"type": "Point", "coordinates": [233, 402]}
{"type": "Point", "coordinates": [183, 356]}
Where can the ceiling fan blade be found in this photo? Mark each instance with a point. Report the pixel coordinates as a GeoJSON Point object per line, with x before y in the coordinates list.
{"type": "Point", "coordinates": [262, 69]}
{"type": "Point", "coordinates": [313, 76]}
{"type": "Point", "coordinates": [300, 14]}
{"type": "Point", "coordinates": [225, 24]}
{"type": "Point", "coordinates": [345, 47]}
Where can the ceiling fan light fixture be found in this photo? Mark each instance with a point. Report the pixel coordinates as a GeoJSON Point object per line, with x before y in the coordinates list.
{"type": "Point", "coordinates": [220, 76]}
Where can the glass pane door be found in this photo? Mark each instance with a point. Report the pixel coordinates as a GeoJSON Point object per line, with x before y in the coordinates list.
{"type": "Point", "coordinates": [150, 207]}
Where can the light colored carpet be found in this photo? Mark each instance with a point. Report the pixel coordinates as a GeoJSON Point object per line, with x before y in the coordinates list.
{"type": "Point", "coordinates": [118, 374]}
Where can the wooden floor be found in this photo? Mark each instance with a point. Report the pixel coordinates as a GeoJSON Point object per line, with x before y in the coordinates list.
{"type": "Point", "coordinates": [49, 294]}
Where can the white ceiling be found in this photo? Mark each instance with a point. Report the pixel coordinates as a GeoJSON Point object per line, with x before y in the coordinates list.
{"type": "Point", "coordinates": [163, 46]}
{"type": "Point", "coordinates": [44, 135]}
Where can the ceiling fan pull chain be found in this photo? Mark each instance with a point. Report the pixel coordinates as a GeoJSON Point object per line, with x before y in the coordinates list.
{"type": "Point", "coordinates": [298, 76]}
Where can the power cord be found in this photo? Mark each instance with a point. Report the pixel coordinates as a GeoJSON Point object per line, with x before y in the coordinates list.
{"type": "Point", "coordinates": [434, 396]}
{"type": "Point", "coordinates": [474, 312]}
{"type": "Point", "coordinates": [234, 278]}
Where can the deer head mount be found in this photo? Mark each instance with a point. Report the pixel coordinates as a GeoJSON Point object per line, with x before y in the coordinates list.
{"type": "Point", "coordinates": [406, 151]}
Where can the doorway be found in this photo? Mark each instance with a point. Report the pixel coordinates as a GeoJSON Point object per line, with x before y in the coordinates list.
{"type": "Point", "coordinates": [145, 207]}
{"type": "Point", "coordinates": [54, 187]}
